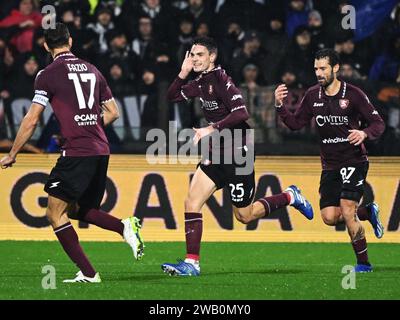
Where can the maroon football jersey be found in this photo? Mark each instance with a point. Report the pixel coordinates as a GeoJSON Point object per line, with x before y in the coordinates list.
{"type": "Point", "coordinates": [334, 117]}
{"type": "Point", "coordinates": [75, 89]}
{"type": "Point", "coordinates": [218, 95]}
{"type": "Point", "coordinates": [222, 103]}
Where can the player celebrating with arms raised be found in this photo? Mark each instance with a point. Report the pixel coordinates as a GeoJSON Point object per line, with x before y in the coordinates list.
{"type": "Point", "coordinates": [337, 108]}
{"type": "Point", "coordinates": [83, 104]}
{"type": "Point", "coordinates": [224, 108]}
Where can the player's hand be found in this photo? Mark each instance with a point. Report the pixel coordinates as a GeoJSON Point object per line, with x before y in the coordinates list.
{"type": "Point", "coordinates": [7, 161]}
{"type": "Point", "coordinates": [356, 137]}
{"type": "Point", "coordinates": [281, 93]}
{"type": "Point", "coordinates": [201, 132]}
{"type": "Point", "coordinates": [187, 66]}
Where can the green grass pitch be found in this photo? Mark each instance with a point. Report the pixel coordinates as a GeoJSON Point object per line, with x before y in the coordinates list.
{"type": "Point", "coordinates": [250, 271]}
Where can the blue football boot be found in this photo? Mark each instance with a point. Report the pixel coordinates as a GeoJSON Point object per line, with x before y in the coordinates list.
{"type": "Point", "coordinates": [361, 268]}
{"type": "Point", "coordinates": [181, 269]}
{"type": "Point", "coordinates": [301, 203]}
{"type": "Point", "coordinates": [374, 219]}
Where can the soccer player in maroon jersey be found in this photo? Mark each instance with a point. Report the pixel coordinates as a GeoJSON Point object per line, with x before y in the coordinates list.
{"type": "Point", "coordinates": [224, 108]}
{"type": "Point", "coordinates": [83, 104]}
{"type": "Point", "coordinates": [337, 108]}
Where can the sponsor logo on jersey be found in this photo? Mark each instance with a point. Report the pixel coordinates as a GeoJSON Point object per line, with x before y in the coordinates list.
{"type": "Point", "coordinates": [332, 120]}
{"type": "Point", "coordinates": [318, 104]}
{"type": "Point", "coordinates": [334, 140]}
{"type": "Point", "coordinates": [344, 103]}
{"type": "Point", "coordinates": [86, 119]}
{"type": "Point", "coordinates": [237, 96]}
{"type": "Point", "coordinates": [209, 105]}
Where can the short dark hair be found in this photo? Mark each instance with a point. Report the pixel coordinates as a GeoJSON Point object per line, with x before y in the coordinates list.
{"type": "Point", "coordinates": [57, 37]}
{"type": "Point", "coordinates": [207, 42]}
{"type": "Point", "coordinates": [331, 54]}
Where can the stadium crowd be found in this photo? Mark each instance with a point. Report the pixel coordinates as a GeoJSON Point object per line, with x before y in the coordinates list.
{"type": "Point", "coordinates": [139, 46]}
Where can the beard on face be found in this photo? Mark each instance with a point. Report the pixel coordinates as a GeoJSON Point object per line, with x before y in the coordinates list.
{"type": "Point", "coordinates": [328, 80]}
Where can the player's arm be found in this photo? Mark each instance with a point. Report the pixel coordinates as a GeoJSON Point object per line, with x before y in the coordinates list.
{"type": "Point", "coordinates": [294, 121]}
{"type": "Point", "coordinates": [110, 112]}
{"type": "Point", "coordinates": [25, 132]}
{"type": "Point", "coordinates": [109, 107]}
{"type": "Point", "coordinates": [232, 98]}
{"type": "Point", "coordinates": [179, 90]}
{"type": "Point", "coordinates": [376, 125]}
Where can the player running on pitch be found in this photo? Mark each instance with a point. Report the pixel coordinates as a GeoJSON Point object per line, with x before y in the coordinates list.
{"type": "Point", "coordinates": [223, 108]}
{"type": "Point", "coordinates": [83, 105]}
{"type": "Point", "coordinates": [337, 108]}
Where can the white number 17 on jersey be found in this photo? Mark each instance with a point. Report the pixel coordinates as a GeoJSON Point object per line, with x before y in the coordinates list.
{"type": "Point", "coordinates": [85, 77]}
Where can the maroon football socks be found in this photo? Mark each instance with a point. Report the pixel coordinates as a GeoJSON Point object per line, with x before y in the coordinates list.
{"type": "Point", "coordinates": [104, 220]}
{"type": "Point", "coordinates": [363, 214]}
{"type": "Point", "coordinates": [193, 232]}
{"type": "Point", "coordinates": [69, 240]}
{"type": "Point", "coordinates": [275, 202]}
{"type": "Point", "coordinates": [360, 249]}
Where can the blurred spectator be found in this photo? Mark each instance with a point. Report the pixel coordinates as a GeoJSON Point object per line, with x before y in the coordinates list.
{"type": "Point", "coordinates": [300, 57]}
{"type": "Point", "coordinates": [289, 78]}
{"type": "Point", "coordinates": [38, 50]}
{"type": "Point", "coordinates": [140, 44]}
{"type": "Point", "coordinates": [155, 56]}
{"type": "Point", "coordinates": [350, 52]}
{"type": "Point", "coordinates": [333, 20]}
{"type": "Point", "coordinates": [4, 69]}
{"type": "Point", "coordinates": [251, 14]}
{"type": "Point", "coordinates": [119, 51]}
{"type": "Point", "coordinates": [20, 25]}
{"type": "Point", "coordinates": [297, 15]}
{"type": "Point", "coordinates": [348, 73]}
{"type": "Point", "coordinates": [251, 77]}
{"type": "Point", "coordinates": [185, 37]}
{"type": "Point", "coordinates": [103, 24]}
{"type": "Point", "coordinates": [163, 17]}
{"type": "Point", "coordinates": [276, 42]}
{"type": "Point", "coordinates": [7, 6]}
{"type": "Point", "coordinates": [23, 77]}
{"type": "Point", "coordinates": [85, 43]}
{"type": "Point", "coordinates": [81, 6]}
{"type": "Point", "coordinates": [319, 40]}
{"type": "Point", "coordinates": [251, 52]}
{"type": "Point", "coordinates": [202, 29]}
{"type": "Point", "coordinates": [232, 39]}
{"type": "Point", "coordinates": [381, 39]}
{"type": "Point", "coordinates": [115, 6]}
{"type": "Point", "coordinates": [199, 12]}
{"type": "Point", "coordinates": [119, 81]}
{"type": "Point", "coordinates": [386, 67]}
